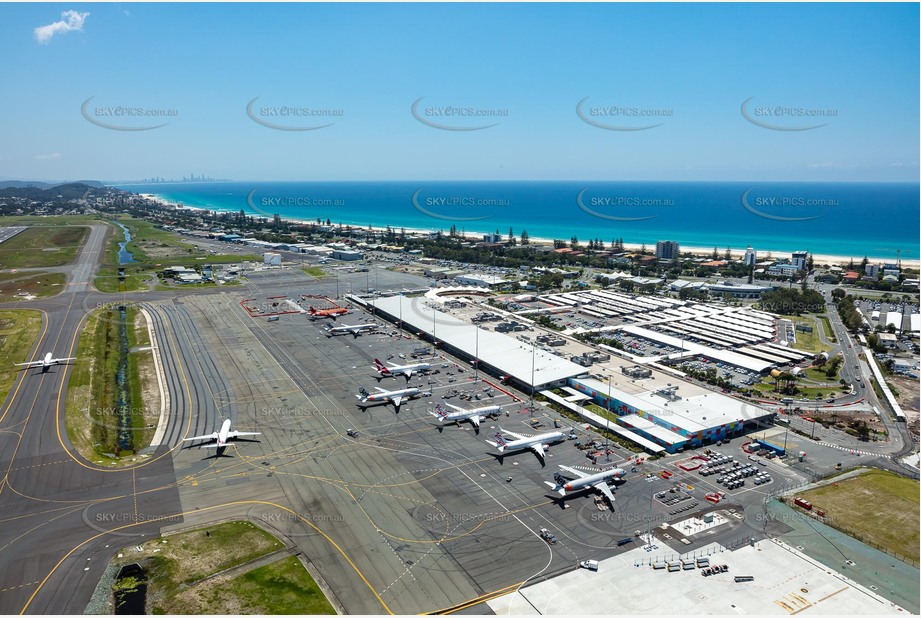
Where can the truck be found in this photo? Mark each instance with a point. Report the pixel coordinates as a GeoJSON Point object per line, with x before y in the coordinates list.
{"type": "Point", "coordinates": [591, 565]}
{"type": "Point", "coordinates": [805, 504]}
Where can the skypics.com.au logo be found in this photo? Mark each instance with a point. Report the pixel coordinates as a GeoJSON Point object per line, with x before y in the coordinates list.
{"type": "Point", "coordinates": [786, 117]}
{"type": "Point", "coordinates": [621, 117]}
{"type": "Point", "coordinates": [125, 117]}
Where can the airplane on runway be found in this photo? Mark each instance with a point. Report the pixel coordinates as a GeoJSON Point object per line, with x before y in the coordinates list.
{"type": "Point", "coordinates": [46, 362]}
{"type": "Point", "coordinates": [317, 314]}
{"type": "Point", "coordinates": [475, 416]}
{"type": "Point", "coordinates": [597, 481]}
{"type": "Point", "coordinates": [395, 370]}
{"type": "Point", "coordinates": [382, 396]}
{"type": "Point", "coordinates": [355, 331]}
{"type": "Point", "coordinates": [222, 436]}
{"type": "Point", "coordinates": [535, 443]}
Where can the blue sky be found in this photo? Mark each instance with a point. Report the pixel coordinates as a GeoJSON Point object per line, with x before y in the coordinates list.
{"type": "Point", "coordinates": [690, 65]}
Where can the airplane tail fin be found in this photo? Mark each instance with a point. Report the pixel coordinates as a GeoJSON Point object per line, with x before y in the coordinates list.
{"type": "Point", "coordinates": [556, 487]}
{"type": "Point", "coordinates": [362, 391]}
{"type": "Point", "coordinates": [311, 310]}
{"type": "Point", "coordinates": [440, 412]}
{"type": "Point", "coordinates": [500, 441]}
{"type": "Point", "coordinates": [381, 368]}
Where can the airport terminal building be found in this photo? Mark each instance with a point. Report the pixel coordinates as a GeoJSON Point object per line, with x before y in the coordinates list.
{"type": "Point", "coordinates": [672, 420]}
{"type": "Point", "coordinates": [524, 366]}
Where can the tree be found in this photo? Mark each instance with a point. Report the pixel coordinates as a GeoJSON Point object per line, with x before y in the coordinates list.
{"type": "Point", "coordinates": [524, 237]}
{"type": "Point", "coordinates": [727, 255]}
{"type": "Point", "coordinates": [574, 242]}
{"type": "Point", "coordinates": [716, 254]}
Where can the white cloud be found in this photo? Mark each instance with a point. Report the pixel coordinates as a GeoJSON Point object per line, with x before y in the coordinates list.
{"type": "Point", "coordinates": [70, 20]}
{"type": "Point", "coordinates": [53, 156]}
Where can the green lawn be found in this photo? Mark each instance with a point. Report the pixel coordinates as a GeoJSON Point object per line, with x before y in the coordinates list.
{"type": "Point", "coordinates": [176, 566]}
{"type": "Point", "coordinates": [315, 271]}
{"type": "Point", "coordinates": [283, 587]}
{"type": "Point", "coordinates": [878, 506]}
{"type": "Point", "coordinates": [19, 330]}
{"type": "Point", "coordinates": [808, 342]}
{"type": "Point", "coordinates": [41, 247]}
{"type": "Point", "coordinates": [40, 285]}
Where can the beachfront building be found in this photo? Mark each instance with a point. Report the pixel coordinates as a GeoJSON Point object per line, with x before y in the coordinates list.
{"type": "Point", "coordinates": [872, 271]}
{"type": "Point", "coordinates": [799, 259]}
{"type": "Point", "coordinates": [667, 250]}
{"type": "Point", "coordinates": [751, 256]}
{"type": "Point", "coordinates": [784, 270]}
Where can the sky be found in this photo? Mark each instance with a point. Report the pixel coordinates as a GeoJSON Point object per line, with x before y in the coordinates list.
{"type": "Point", "coordinates": [766, 92]}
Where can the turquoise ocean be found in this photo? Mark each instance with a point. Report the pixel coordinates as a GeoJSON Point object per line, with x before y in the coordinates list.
{"type": "Point", "coordinates": [878, 220]}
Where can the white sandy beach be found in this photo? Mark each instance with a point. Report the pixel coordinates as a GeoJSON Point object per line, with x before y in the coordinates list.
{"type": "Point", "coordinates": [818, 259]}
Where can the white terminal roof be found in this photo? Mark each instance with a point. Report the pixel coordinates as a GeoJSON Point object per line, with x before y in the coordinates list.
{"type": "Point", "coordinates": [915, 322]}
{"type": "Point", "coordinates": [507, 354]}
{"type": "Point", "coordinates": [691, 414]}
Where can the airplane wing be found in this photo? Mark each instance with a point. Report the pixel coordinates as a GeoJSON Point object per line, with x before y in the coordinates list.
{"type": "Point", "coordinates": [603, 488]}
{"type": "Point", "coordinates": [517, 436]}
{"type": "Point", "coordinates": [455, 407]}
{"type": "Point", "coordinates": [61, 360]}
{"type": "Point", "coordinates": [210, 436]}
{"type": "Point", "coordinates": [397, 400]}
{"type": "Point", "coordinates": [409, 373]}
{"type": "Point", "coordinates": [539, 449]}
{"type": "Point", "coordinates": [234, 434]}
{"type": "Point", "coordinates": [30, 364]}
{"type": "Point", "coordinates": [475, 419]}
{"type": "Point", "coordinates": [578, 473]}
{"type": "Point", "coordinates": [379, 389]}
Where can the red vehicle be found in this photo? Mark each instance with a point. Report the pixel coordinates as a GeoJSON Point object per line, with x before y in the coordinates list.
{"type": "Point", "coordinates": [805, 504]}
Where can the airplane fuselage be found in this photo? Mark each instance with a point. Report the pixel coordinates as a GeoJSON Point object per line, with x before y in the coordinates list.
{"type": "Point", "coordinates": [593, 479]}
{"type": "Point", "coordinates": [544, 438]}
{"type": "Point", "coordinates": [388, 395]}
{"type": "Point", "coordinates": [223, 432]}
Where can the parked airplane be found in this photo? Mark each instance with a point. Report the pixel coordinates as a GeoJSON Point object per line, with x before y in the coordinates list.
{"type": "Point", "coordinates": [46, 362]}
{"type": "Point", "coordinates": [393, 371]}
{"type": "Point", "coordinates": [355, 330]}
{"type": "Point", "coordinates": [597, 481]}
{"type": "Point", "coordinates": [317, 314]}
{"type": "Point", "coordinates": [222, 436]}
{"type": "Point", "coordinates": [535, 443]}
{"type": "Point", "coordinates": [475, 416]}
{"type": "Point", "coordinates": [382, 396]}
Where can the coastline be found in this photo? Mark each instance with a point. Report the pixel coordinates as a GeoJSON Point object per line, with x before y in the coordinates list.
{"type": "Point", "coordinates": [818, 259]}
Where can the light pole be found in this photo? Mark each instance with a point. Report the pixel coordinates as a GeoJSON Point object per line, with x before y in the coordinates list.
{"type": "Point", "coordinates": [401, 315]}
{"type": "Point", "coordinates": [434, 345]}
{"type": "Point", "coordinates": [533, 352]}
{"type": "Point", "coordinates": [476, 355]}
{"type": "Point", "coordinates": [607, 422]}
